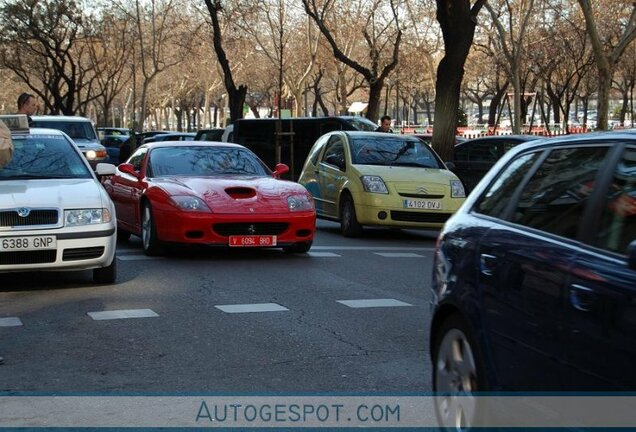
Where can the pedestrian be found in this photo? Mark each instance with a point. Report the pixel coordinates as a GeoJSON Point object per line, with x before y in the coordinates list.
{"type": "Point", "coordinates": [385, 125]}
{"type": "Point", "coordinates": [27, 105]}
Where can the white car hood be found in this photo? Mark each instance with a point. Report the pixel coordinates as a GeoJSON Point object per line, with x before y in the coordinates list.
{"type": "Point", "coordinates": [54, 193]}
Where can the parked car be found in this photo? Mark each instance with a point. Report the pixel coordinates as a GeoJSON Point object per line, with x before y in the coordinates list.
{"type": "Point", "coordinates": [112, 131]}
{"type": "Point", "coordinates": [172, 136]}
{"type": "Point", "coordinates": [54, 213]}
{"type": "Point", "coordinates": [209, 193]}
{"type": "Point", "coordinates": [143, 136]}
{"type": "Point", "coordinates": [428, 138]}
{"type": "Point", "coordinates": [473, 158]}
{"type": "Point", "coordinates": [80, 130]}
{"type": "Point", "coordinates": [534, 280]}
{"type": "Point", "coordinates": [297, 136]}
{"type": "Point", "coordinates": [379, 179]}
{"type": "Point", "coordinates": [215, 134]}
{"type": "Point", "coordinates": [114, 144]}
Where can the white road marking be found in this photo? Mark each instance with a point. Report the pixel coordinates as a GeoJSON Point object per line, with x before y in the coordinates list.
{"type": "Point", "coordinates": [323, 254]}
{"type": "Point", "coordinates": [122, 314]}
{"type": "Point", "coordinates": [256, 307]}
{"type": "Point", "coordinates": [373, 303]}
{"type": "Point", "coordinates": [10, 322]}
{"type": "Point", "coordinates": [399, 255]}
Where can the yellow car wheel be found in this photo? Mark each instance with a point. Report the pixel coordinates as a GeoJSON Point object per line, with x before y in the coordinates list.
{"type": "Point", "coordinates": [349, 225]}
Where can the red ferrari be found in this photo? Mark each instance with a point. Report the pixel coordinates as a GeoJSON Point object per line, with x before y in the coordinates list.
{"type": "Point", "coordinates": [209, 193]}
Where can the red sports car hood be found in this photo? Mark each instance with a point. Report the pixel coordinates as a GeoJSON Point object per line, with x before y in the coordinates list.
{"type": "Point", "coordinates": [235, 195]}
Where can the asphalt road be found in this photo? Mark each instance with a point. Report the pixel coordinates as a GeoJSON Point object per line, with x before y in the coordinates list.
{"type": "Point", "coordinates": [172, 325]}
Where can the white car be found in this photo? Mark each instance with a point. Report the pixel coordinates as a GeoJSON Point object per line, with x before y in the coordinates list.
{"type": "Point", "coordinates": [54, 212]}
{"type": "Point", "coordinates": [80, 130]}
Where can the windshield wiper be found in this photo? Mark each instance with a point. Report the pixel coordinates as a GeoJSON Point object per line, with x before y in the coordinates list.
{"type": "Point", "coordinates": [411, 164]}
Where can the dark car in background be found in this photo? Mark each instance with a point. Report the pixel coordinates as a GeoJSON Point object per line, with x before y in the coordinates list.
{"type": "Point", "coordinates": [143, 136]}
{"type": "Point", "coordinates": [295, 136]}
{"type": "Point", "coordinates": [113, 131]}
{"type": "Point", "coordinates": [428, 138]}
{"type": "Point", "coordinates": [534, 278]}
{"type": "Point", "coordinates": [172, 136]}
{"type": "Point", "coordinates": [473, 158]}
{"type": "Point", "coordinates": [114, 144]}
{"type": "Point", "coordinates": [215, 134]}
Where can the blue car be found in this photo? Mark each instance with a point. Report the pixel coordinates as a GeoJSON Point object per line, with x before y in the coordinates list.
{"type": "Point", "coordinates": [534, 278]}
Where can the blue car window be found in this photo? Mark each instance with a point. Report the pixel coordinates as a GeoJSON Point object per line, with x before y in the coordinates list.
{"type": "Point", "coordinates": [618, 222]}
{"type": "Point", "coordinates": [554, 198]}
{"type": "Point", "coordinates": [496, 199]}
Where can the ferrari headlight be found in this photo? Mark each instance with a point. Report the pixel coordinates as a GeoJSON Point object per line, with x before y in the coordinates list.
{"type": "Point", "coordinates": [374, 184]}
{"type": "Point", "coordinates": [190, 203]}
{"type": "Point", "coordinates": [86, 217]}
{"type": "Point", "coordinates": [300, 203]}
{"type": "Point", "coordinates": [457, 189]}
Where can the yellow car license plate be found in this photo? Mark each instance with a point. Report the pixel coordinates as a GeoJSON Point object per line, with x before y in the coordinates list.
{"type": "Point", "coordinates": [422, 204]}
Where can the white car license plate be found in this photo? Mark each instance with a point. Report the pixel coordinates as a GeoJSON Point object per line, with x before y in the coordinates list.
{"type": "Point", "coordinates": [30, 243]}
{"type": "Point", "coordinates": [422, 204]}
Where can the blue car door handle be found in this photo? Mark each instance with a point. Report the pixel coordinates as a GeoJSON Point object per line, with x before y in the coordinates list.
{"type": "Point", "coordinates": [582, 298]}
{"type": "Point", "coordinates": [487, 264]}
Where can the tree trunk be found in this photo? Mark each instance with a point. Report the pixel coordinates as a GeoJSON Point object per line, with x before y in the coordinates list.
{"type": "Point", "coordinates": [457, 22]}
{"type": "Point", "coordinates": [375, 93]}
{"type": "Point", "coordinates": [604, 88]}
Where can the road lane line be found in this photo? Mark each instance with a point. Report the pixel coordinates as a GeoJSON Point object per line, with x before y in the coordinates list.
{"type": "Point", "coordinates": [323, 255]}
{"type": "Point", "coordinates": [122, 314]}
{"type": "Point", "coordinates": [255, 307]}
{"type": "Point", "coordinates": [399, 254]}
{"type": "Point", "coordinates": [10, 322]}
{"type": "Point", "coordinates": [373, 303]}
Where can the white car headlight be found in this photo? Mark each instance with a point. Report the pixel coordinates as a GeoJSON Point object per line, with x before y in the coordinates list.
{"type": "Point", "coordinates": [374, 184]}
{"type": "Point", "coordinates": [190, 203]}
{"type": "Point", "coordinates": [300, 203]}
{"type": "Point", "coordinates": [91, 155]}
{"type": "Point", "coordinates": [86, 217]}
{"type": "Point", "coordinates": [457, 189]}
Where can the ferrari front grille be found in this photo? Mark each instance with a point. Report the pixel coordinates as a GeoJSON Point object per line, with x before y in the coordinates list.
{"type": "Point", "coordinates": [247, 228]}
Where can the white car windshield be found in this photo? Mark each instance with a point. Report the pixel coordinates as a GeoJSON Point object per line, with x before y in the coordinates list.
{"type": "Point", "coordinates": [44, 157]}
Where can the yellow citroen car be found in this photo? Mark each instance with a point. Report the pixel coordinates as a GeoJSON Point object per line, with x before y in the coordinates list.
{"type": "Point", "coordinates": [379, 179]}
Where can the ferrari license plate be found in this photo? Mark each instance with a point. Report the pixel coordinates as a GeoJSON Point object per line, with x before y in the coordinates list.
{"type": "Point", "coordinates": [422, 204]}
{"type": "Point", "coordinates": [29, 243]}
{"type": "Point", "coordinates": [253, 241]}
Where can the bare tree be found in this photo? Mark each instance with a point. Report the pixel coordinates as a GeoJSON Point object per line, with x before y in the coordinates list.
{"type": "Point", "coordinates": [377, 40]}
{"type": "Point", "coordinates": [236, 95]}
{"type": "Point", "coordinates": [512, 33]}
{"type": "Point", "coordinates": [41, 44]}
{"type": "Point", "coordinates": [109, 54]}
{"type": "Point", "coordinates": [608, 50]}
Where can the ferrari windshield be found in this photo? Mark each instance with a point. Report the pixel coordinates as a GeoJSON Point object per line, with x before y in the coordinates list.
{"type": "Point", "coordinates": [44, 157]}
{"type": "Point", "coordinates": [204, 161]}
{"type": "Point", "coordinates": [389, 149]}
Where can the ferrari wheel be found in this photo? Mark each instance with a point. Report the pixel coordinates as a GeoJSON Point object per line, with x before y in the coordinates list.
{"type": "Point", "coordinates": [301, 247]}
{"type": "Point", "coordinates": [152, 245]}
{"type": "Point", "coordinates": [349, 226]}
